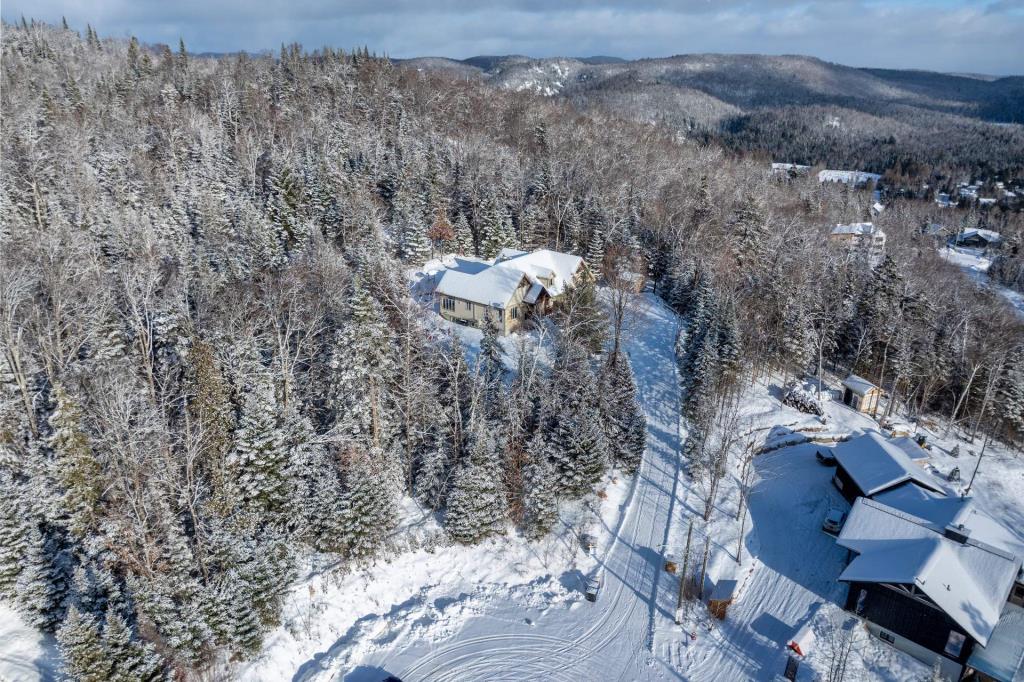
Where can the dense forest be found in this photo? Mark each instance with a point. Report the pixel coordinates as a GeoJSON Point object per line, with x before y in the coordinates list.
{"type": "Point", "coordinates": [212, 369]}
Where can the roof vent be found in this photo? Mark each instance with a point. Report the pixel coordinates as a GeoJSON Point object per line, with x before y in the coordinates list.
{"type": "Point", "coordinates": [958, 533]}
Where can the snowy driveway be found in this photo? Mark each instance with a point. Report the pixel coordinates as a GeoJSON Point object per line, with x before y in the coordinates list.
{"type": "Point", "coordinates": [609, 640]}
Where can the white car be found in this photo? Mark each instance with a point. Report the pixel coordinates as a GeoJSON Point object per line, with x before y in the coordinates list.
{"type": "Point", "coordinates": [834, 520]}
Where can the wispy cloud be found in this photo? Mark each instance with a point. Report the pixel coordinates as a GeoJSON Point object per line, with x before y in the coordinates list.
{"type": "Point", "coordinates": [945, 35]}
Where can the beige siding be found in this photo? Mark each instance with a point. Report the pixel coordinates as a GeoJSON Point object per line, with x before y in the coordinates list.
{"type": "Point", "coordinates": [474, 314]}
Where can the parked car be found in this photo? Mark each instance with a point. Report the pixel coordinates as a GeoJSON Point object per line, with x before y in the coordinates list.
{"type": "Point", "coordinates": [825, 457]}
{"type": "Point", "coordinates": [834, 520]}
{"type": "Point", "coordinates": [594, 587]}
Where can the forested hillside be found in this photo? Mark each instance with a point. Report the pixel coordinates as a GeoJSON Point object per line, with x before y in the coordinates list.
{"type": "Point", "coordinates": [922, 126]}
{"type": "Point", "coordinates": [212, 370]}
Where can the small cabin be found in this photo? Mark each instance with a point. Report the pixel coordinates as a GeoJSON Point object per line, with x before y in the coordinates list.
{"type": "Point", "coordinates": [860, 394]}
{"type": "Point", "coordinates": [722, 597]}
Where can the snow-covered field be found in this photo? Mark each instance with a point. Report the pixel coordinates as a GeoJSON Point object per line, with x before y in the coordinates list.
{"type": "Point", "coordinates": [510, 609]}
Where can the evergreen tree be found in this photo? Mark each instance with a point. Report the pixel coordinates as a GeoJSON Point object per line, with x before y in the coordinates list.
{"type": "Point", "coordinates": [260, 460]}
{"type": "Point", "coordinates": [463, 236]}
{"type": "Point", "coordinates": [76, 468]}
{"type": "Point", "coordinates": [497, 232]}
{"type": "Point", "coordinates": [477, 507]}
{"type": "Point", "coordinates": [13, 543]}
{"type": "Point", "coordinates": [42, 585]}
{"type": "Point", "coordinates": [367, 510]}
{"type": "Point", "coordinates": [81, 647]}
{"type": "Point", "coordinates": [363, 369]}
{"type": "Point", "coordinates": [749, 233]}
{"type": "Point", "coordinates": [540, 504]}
{"type": "Point", "coordinates": [492, 369]}
{"type": "Point", "coordinates": [580, 317]}
{"type": "Point", "coordinates": [1010, 392]}
{"type": "Point", "coordinates": [621, 415]}
{"type": "Point", "coordinates": [131, 660]}
{"type": "Point", "coordinates": [572, 229]}
{"type": "Point", "coordinates": [575, 441]}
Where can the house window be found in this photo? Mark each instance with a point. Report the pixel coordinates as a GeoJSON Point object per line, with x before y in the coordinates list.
{"type": "Point", "coordinates": [955, 644]}
{"type": "Point", "coordinates": [469, 306]}
{"type": "Point", "coordinates": [862, 597]}
{"type": "Point", "coordinates": [448, 303]}
{"type": "Point", "coordinates": [886, 637]}
{"type": "Point", "coordinates": [515, 313]}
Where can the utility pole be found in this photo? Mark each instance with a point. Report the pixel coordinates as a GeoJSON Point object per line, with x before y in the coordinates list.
{"type": "Point", "coordinates": [686, 567]}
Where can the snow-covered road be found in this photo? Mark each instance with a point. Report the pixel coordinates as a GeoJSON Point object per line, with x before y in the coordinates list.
{"type": "Point", "coordinates": [610, 639]}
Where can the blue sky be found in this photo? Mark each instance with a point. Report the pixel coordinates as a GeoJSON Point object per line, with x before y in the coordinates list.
{"type": "Point", "coordinates": [983, 36]}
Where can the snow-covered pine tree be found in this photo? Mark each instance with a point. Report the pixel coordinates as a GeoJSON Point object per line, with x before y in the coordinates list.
{"type": "Point", "coordinates": [81, 647]}
{"type": "Point", "coordinates": [621, 415]}
{"type": "Point", "coordinates": [492, 369]}
{"type": "Point", "coordinates": [43, 584]}
{"type": "Point", "coordinates": [580, 316]}
{"type": "Point", "coordinates": [76, 468]}
{"type": "Point", "coordinates": [477, 506]}
{"type": "Point", "coordinates": [362, 372]}
{"type": "Point", "coordinates": [540, 490]}
{"type": "Point", "coordinates": [13, 541]}
{"type": "Point", "coordinates": [572, 228]}
{"type": "Point", "coordinates": [1010, 393]}
{"type": "Point", "coordinates": [260, 459]}
{"type": "Point", "coordinates": [463, 243]}
{"type": "Point", "coordinates": [573, 433]}
{"type": "Point", "coordinates": [131, 659]}
{"type": "Point", "coordinates": [749, 233]}
{"type": "Point", "coordinates": [497, 232]}
{"type": "Point", "coordinates": [284, 197]}
{"type": "Point", "coordinates": [595, 251]}
{"type": "Point", "coordinates": [368, 505]}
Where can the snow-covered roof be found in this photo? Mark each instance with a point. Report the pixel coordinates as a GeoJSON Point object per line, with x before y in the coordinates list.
{"type": "Point", "coordinates": [492, 287]}
{"type": "Point", "coordinates": [877, 207]}
{"type": "Point", "coordinates": [859, 385]}
{"type": "Point", "coordinates": [942, 511]}
{"type": "Point", "coordinates": [848, 176]}
{"type": "Point", "coordinates": [864, 229]}
{"type": "Point", "coordinates": [876, 464]}
{"type": "Point", "coordinates": [507, 253]}
{"type": "Point", "coordinates": [968, 580]}
{"type": "Point", "coordinates": [556, 269]}
{"type": "Point", "coordinates": [534, 293]}
{"type": "Point", "coordinates": [990, 236]}
{"type": "Point", "coordinates": [914, 451]}
{"type": "Point", "coordinates": [1003, 657]}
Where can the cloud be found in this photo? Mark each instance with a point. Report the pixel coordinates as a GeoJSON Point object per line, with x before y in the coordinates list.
{"type": "Point", "coordinates": [945, 35]}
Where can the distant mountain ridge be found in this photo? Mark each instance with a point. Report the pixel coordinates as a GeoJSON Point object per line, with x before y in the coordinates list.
{"type": "Point", "coordinates": [791, 107]}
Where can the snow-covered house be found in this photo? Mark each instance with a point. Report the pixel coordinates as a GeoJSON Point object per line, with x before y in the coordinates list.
{"type": "Point", "coordinates": [863, 238]}
{"type": "Point", "coordinates": [861, 394]}
{"type": "Point", "coordinates": [938, 579]}
{"type": "Point", "coordinates": [848, 177]}
{"type": "Point", "coordinates": [517, 284]}
{"type": "Point", "coordinates": [789, 170]}
{"type": "Point", "coordinates": [978, 238]}
{"type": "Point", "coordinates": [870, 464]}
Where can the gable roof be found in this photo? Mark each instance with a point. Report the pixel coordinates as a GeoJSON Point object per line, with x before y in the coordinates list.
{"type": "Point", "coordinates": [864, 229]}
{"type": "Point", "coordinates": [876, 464]}
{"type": "Point", "coordinates": [968, 580]}
{"type": "Point", "coordinates": [492, 287]}
{"type": "Point", "coordinates": [558, 269]}
{"type": "Point", "coordinates": [989, 236]}
{"type": "Point", "coordinates": [859, 385]}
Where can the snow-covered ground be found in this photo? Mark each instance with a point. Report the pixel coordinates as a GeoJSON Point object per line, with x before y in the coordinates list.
{"type": "Point", "coordinates": [510, 609]}
{"type": "Point", "coordinates": [25, 654]}
{"type": "Point", "coordinates": [975, 265]}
